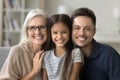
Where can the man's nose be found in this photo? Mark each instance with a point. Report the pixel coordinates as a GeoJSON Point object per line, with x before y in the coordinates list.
{"type": "Point", "coordinates": [81, 31]}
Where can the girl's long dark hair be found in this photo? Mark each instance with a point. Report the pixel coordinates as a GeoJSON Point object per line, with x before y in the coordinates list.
{"type": "Point", "coordinates": [65, 19]}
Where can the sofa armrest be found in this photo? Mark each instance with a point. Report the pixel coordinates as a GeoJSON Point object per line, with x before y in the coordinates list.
{"type": "Point", "coordinates": [4, 51]}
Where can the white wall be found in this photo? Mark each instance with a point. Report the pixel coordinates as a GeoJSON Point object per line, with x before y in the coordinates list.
{"type": "Point", "coordinates": [106, 23]}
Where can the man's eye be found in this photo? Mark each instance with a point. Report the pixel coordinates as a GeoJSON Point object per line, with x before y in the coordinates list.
{"type": "Point", "coordinates": [76, 27]}
{"type": "Point", "coordinates": [54, 32]}
{"type": "Point", "coordinates": [87, 29]}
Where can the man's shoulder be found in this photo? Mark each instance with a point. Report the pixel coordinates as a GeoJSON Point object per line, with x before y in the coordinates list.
{"type": "Point", "coordinates": [106, 49]}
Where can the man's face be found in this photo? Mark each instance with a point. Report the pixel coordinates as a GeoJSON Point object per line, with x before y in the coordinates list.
{"type": "Point", "coordinates": [83, 31]}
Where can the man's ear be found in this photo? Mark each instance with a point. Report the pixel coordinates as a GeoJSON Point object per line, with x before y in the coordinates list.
{"type": "Point", "coordinates": [94, 32]}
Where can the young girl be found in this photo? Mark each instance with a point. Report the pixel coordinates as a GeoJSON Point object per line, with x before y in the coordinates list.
{"type": "Point", "coordinates": [61, 62]}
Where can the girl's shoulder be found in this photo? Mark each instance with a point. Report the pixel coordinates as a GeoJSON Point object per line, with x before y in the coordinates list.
{"type": "Point", "coordinates": [49, 52]}
{"type": "Point", "coordinates": [76, 50]}
{"type": "Point", "coordinates": [77, 55]}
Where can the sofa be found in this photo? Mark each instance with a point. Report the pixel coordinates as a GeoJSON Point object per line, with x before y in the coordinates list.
{"type": "Point", "coordinates": [4, 51]}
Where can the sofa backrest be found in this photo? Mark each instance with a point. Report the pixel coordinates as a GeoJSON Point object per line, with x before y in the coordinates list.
{"type": "Point", "coordinates": [4, 51]}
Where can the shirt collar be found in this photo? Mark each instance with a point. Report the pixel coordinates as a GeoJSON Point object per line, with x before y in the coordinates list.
{"type": "Point", "coordinates": [95, 50]}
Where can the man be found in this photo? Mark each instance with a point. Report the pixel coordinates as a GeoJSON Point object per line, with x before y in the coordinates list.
{"type": "Point", "coordinates": [102, 62]}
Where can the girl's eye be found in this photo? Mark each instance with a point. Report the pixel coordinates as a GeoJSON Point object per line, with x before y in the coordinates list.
{"type": "Point", "coordinates": [64, 32]}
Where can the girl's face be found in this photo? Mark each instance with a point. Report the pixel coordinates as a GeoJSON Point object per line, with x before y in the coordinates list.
{"type": "Point", "coordinates": [37, 31]}
{"type": "Point", "coordinates": [60, 34]}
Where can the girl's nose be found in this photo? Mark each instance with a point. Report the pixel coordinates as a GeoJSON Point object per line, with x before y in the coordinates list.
{"type": "Point", "coordinates": [59, 35]}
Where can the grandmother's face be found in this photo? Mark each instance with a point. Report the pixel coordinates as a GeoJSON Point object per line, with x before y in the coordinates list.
{"type": "Point", "coordinates": [37, 30]}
